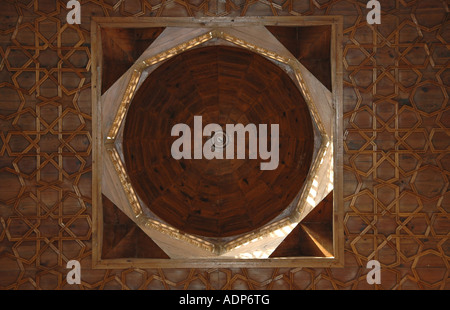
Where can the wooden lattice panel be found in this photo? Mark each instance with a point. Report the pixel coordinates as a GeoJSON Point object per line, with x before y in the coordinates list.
{"type": "Point", "coordinates": [396, 147]}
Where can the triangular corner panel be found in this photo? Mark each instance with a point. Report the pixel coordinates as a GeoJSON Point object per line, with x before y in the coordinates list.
{"type": "Point", "coordinates": [122, 238]}
{"type": "Point", "coordinates": [121, 47]}
{"type": "Point", "coordinates": [311, 45]}
{"type": "Point", "coordinates": [313, 236]}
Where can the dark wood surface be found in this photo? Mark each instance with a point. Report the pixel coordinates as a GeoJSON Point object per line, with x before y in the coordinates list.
{"type": "Point", "coordinates": [123, 238]}
{"type": "Point", "coordinates": [218, 197]}
{"type": "Point", "coordinates": [123, 46]}
{"type": "Point", "coordinates": [311, 46]}
{"type": "Point", "coordinates": [313, 236]}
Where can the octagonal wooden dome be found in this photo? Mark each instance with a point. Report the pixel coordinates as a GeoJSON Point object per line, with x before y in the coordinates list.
{"type": "Point", "coordinates": [218, 197]}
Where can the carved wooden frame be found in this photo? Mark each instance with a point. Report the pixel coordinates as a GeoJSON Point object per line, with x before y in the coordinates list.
{"type": "Point", "coordinates": [98, 139]}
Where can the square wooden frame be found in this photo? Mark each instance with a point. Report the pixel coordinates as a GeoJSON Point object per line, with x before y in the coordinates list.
{"type": "Point", "coordinates": [337, 92]}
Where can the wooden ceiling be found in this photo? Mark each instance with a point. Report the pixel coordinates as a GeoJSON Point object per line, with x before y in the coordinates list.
{"type": "Point", "coordinates": [224, 85]}
{"type": "Point", "coordinates": [396, 165]}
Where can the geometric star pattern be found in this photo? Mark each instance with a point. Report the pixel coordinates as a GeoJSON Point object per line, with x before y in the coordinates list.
{"type": "Point", "coordinates": [396, 147]}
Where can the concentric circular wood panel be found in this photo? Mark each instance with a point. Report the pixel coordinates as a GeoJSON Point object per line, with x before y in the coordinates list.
{"type": "Point", "coordinates": [218, 197]}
